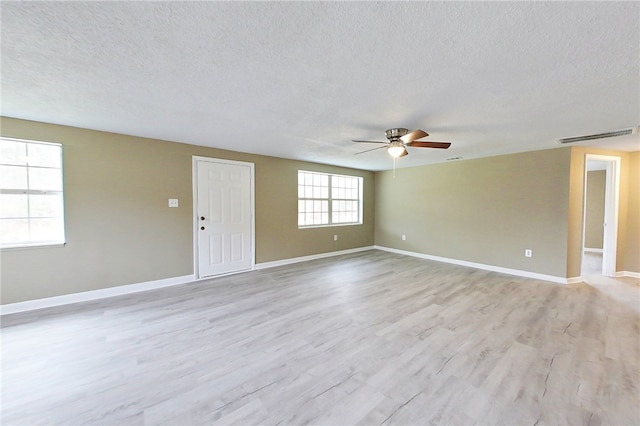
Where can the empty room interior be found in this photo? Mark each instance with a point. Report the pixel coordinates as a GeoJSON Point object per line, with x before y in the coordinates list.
{"type": "Point", "coordinates": [329, 213]}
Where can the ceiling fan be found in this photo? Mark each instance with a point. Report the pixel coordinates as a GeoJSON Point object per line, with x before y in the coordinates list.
{"type": "Point", "coordinates": [400, 139]}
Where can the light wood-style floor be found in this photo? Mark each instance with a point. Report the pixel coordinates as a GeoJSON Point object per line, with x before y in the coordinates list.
{"type": "Point", "coordinates": [368, 338]}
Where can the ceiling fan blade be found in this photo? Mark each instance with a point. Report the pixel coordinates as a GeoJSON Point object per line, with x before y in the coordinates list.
{"type": "Point", "coordinates": [404, 153]}
{"type": "Point", "coordinates": [372, 149]}
{"type": "Point", "coordinates": [420, 144]}
{"type": "Point", "coordinates": [369, 142]}
{"type": "Point", "coordinates": [416, 134]}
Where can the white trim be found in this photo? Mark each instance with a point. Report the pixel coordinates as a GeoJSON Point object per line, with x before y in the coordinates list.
{"type": "Point", "coordinates": [194, 179]}
{"type": "Point", "coordinates": [265, 265]}
{"type": "Point", "coordinates": [592, 250]}
{"type": "Point", "coordinates": [516, 272]}
{"type": "Point", "coordinates": [628, 274]}
{"type": "Point", "coordinates": [85, 296]}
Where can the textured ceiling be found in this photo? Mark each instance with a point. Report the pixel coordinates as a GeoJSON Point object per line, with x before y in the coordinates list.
{"type": "Point", "coordinates": [301, 79]}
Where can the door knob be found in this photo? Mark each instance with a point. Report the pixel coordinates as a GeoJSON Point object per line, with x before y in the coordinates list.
{"type": "Point", "coordinates": [202, 228]}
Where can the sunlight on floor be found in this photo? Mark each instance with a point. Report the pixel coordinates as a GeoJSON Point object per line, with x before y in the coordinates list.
{"type": "Point", "coordinates": [623, 289]}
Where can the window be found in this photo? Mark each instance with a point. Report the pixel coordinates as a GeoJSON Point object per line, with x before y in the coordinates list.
{"type": "Point", "coordinates": [325, 199]}
{"type": "Point", "coordinates": [31, 200]}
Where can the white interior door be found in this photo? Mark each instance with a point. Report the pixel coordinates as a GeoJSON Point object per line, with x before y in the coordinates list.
{"type": "Point", "coordinates": [224, 221]}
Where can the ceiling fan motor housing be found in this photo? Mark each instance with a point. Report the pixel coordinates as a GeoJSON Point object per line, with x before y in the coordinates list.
{"type": "Point", "coordinates": [394, 134]}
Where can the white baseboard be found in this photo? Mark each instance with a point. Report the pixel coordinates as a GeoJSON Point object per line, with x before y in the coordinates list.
{"type": "Point", "coordinates": [66, 299]}
{"type": "Point", "coordinates": [593, 250]}
{"type": "Point", "coordinates": [48, 302]}
{"type": "Point", "coordinates": [628, 274]}
{"type": "Point", "coordinates": [265, 265]}
{"type": "Point", "coordinates": [516, 272]}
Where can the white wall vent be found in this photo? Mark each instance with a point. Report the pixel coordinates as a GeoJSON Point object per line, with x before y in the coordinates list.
{"type": "Point", "coordinates": [575, 139]}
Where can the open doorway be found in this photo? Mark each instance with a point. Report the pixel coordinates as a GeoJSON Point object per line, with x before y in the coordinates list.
{"type": "Point", "coordinates": [600, 221]}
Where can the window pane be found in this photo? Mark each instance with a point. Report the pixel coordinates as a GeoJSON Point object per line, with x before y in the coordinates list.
{"type": "Point", "coordinates": [308, 192]}
{"type": "Point", "coordinates": [300, 191]}
{"type": "Point", "coordinates": [301, 205]}
{"type": "Point", "coordinates": [317, 192]}
{"type": "Point", "coordinates": [44, 155]}
{"type": "Point", "coordinates": [47, 229]}
{"type": "Point", "coordinates": [45, 179]}
{"type": "Point", "coordinates": [301, 219]}
{"type": "Point", "coordinates": [325, 192]}
{"type": "Point", "coordinates": [14, 206]}
{"type": "Point", "coordinates": [12, 152]}
{"type": "Point", "coordinates": [13, 177]}
{"type": "Point", "coordinates": [49, 205]}
{"type": "Point", "coordinates": [14, 231]}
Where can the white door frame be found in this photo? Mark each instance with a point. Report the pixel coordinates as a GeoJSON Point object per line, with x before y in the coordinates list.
{"type": "Point", "coordinates": [611, 206]}
{"type": "Point", "coordinates": [194, 170]}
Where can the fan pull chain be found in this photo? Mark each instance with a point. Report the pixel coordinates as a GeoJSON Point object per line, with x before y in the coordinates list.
{"type": "Point", "coordinates": [394, 167]}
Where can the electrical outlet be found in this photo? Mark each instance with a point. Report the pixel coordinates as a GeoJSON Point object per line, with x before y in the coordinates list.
{"type": "Point", "coordinates": [528, 253]}
{"type": "Point", "coordinates": [404, 237]}
{"type": "Point", "coordinates": [335, 238]}
{"type": "Point", "coordinates": [173, 202]}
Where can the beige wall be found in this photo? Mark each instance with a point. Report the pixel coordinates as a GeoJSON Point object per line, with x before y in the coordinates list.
{"type": "Point", "coordinates": [487, 210]}
{"type": "Point", "coordinates": [594, 209]}
{"type": "Point", "coordinates": [119, 229]}
{"type": "Point", "coordinates": [627, 224]}
{"type": "Point", "coordinates": [632, 248]}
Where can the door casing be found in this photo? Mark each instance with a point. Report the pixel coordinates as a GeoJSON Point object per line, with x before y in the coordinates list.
{"type": "Point", "coordinates": [611, 207]}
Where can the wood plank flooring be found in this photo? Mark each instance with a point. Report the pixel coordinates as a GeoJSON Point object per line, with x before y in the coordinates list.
{"type": "Point", "coordinates": [369, 338]}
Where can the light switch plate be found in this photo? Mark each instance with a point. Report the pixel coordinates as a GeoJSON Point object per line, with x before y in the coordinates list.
{"type": "Point", "coordinates": [173, 202]}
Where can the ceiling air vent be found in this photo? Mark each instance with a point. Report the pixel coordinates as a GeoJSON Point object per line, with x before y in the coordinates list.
{"type": "Point", "coordinates": [575, 139]}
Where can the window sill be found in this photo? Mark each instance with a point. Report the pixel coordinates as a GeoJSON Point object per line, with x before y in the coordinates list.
{"type": "Point", "coordinates": [331, 225]}
{"type": "Point", "coordinates": [56, 244]}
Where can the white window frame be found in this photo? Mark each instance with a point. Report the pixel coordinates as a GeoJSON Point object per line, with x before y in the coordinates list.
{"type": "Point", "coordinates": [29, 191]}
{"type": "Point", "coordinates": [331, 199]}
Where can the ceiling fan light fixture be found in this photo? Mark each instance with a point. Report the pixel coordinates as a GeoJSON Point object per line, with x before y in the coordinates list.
{"type": "Point", "coordinates": [396, 149]}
